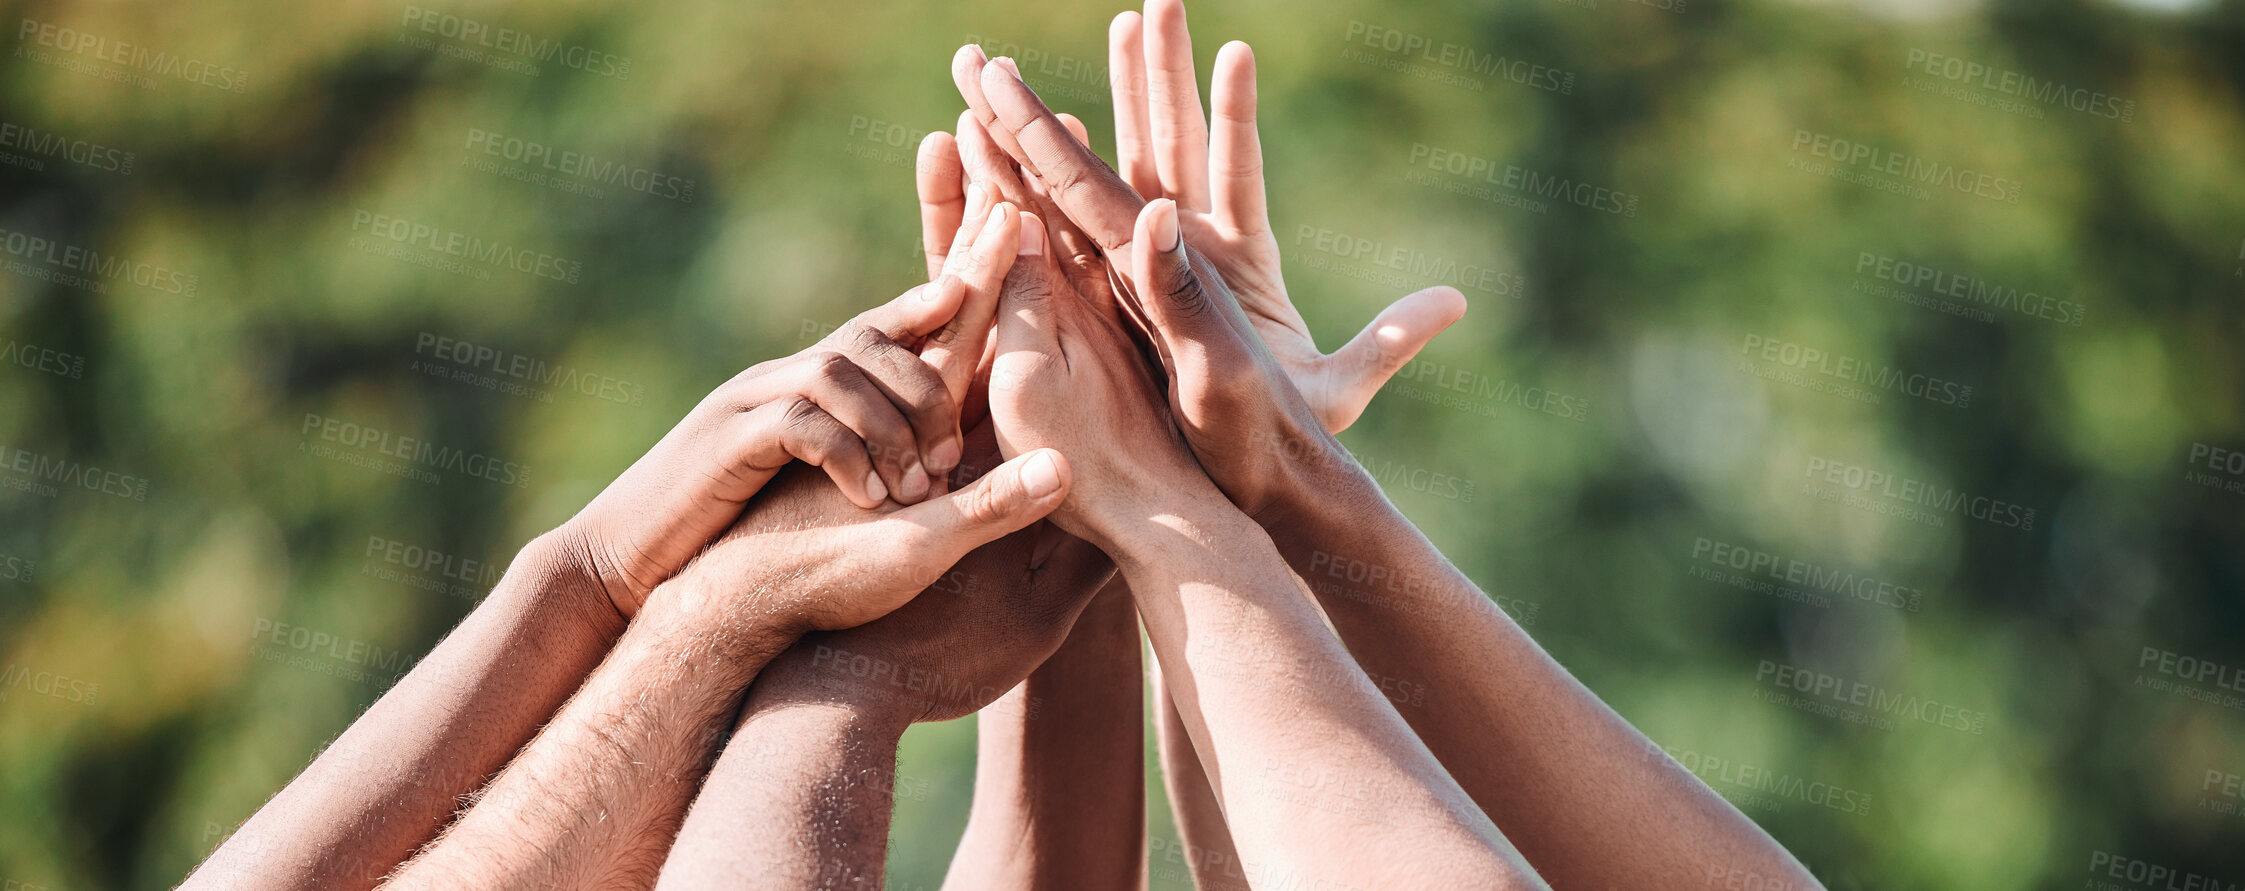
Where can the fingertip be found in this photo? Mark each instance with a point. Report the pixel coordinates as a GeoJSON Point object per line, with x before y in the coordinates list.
{"type": "Point", "coordinates": [875, 491]}
{"type": "Point", "coordinates": [1125, 23]}
{"type": "Point", "coordinates": [1044, 474]}
{"type": "Point", "coordinates": [969, 56]}
{"type": "Point", "coordinates": [1444, 303]}
{"type": "Point", "coordinates": [1032, 236]}
{"type": "Point", "coordinates": [1158, 225]}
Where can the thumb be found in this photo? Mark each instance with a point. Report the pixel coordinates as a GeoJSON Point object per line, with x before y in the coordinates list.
{"type": "Point", "coordinates": [1364, 365]}
{"type": "Point", "coordinates": [1184, 314]}
{"type": "Point", "coordinates": [940, 531]}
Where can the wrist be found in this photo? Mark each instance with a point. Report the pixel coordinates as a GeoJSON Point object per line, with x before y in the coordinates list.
{"type": "Point", "coordinates": [553, 568]}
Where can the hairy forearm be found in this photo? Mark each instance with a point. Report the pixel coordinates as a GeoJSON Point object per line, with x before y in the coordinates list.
{"type": "Point", "coordinates": [396, 776]}
{"type": "Point", "coordinates": [1588, 798]}
{"type": "Point", "coordinates": [800, 798]}
{"type": "Point", "coordinates": [1317, 774]}
{"type": "Point", "coordinates": [1059, 789]}
{"type": "Point", "coordinates": [595, 799]}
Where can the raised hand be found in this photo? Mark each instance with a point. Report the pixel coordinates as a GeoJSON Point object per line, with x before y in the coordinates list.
{"type": "Point", "coordinates": [1068, 376]}
{"type": "Point", "coordinates": [1214, 171]}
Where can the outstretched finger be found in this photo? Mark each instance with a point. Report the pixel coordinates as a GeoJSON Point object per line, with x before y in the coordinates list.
{"type": "Point", "coordinates": [1126, 82]}
{"type": "Point", "coordinates": [955, 350]}
{"type": "Point", "coordinates": [941, 182]}
{"type": "Point", "coordinates": [966, 74]}
{"type": "Point", "coordinates": [1235, 152]}
{"type": "Point", "coordinates": [1180, 134]}
{"type": "Point", "coordinates": [1078, 182]}
{"type": "Point", "coordinates": [1385, 346]}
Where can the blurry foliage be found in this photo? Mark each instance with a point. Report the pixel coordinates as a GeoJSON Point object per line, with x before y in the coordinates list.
{"type": "Point", "coordinates": [802, 213]}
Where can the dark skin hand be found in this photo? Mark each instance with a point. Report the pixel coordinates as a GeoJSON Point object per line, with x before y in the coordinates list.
{"type": "Point", "coordinates": [1558, 770]}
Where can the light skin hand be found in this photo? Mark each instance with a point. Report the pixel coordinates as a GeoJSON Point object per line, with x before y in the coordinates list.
{"type": "Point", "coordinates": [1512, 745]}
{"type": "Point", "coordinates": [596, 798]}
{"type": "Point", "coordinates": [1078, 715]}
{"type": "Point", "coordinates": [1263, 688]}
{"type": "Point", "coordinates": [1214, 171]}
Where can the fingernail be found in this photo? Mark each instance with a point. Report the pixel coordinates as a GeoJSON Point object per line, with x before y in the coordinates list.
{"type": "Point", "coordinates": [1040, 477]}
{"type": "Point", "coordinates": [1032, 238]}
{"type": "Point", "coordinates": [997, 219]}
{"type": "Point", "coordinates": [1163, 227]}
{"type": "Point", "coordinates": [945, 455]}
{"type": "Point", "coordinates": [1006, 62]}
{"type": "Point", "coordinates": [978, 53]}
{"type": "Point", "coordinates": [978, 200]}
{"type": "Point", "coordinates": [915, 481]}
{"type": "Point", "coordinates": [873, 488]}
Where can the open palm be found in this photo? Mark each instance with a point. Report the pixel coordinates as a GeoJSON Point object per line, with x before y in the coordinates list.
{"type": "Point", "coordinates": [1215, 174]}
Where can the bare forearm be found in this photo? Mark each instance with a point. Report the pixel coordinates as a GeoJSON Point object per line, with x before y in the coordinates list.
{"type": "Point", "coordinates": [1579, 790]}
{"type": "Point", "coordinates": [1317, 774]}
{"type": "Point", "coordinates": [390, 782]}
{"type": "Point", "coordinates": [800, 798]}
{"type": "Point", "coordinates": [595, 799]}
{"type": "Point", "coordinates": [1059, 792]}
{"type": "Point", "coordinates": [1208, 852]}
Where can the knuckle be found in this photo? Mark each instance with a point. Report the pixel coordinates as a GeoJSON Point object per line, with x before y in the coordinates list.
{"type": "Point", "coordinates": [864, 337]}
{"type": "Point", "coordinates": [1182, 292]}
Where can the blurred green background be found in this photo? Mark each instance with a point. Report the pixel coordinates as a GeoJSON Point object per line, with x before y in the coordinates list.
{"type": "Point", "coordinates": [1638, 404]}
